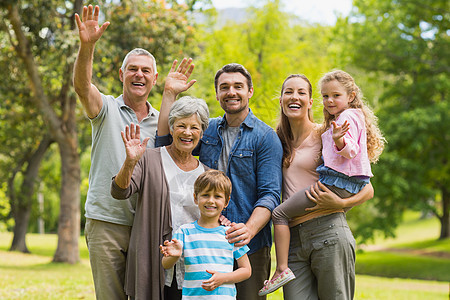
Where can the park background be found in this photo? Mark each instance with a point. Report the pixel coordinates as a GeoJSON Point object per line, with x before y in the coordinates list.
{"type": "Point", "coordinates": [397, 50]}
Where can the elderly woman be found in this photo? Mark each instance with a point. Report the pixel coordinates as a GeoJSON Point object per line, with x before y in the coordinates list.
{"type": "Point", "coordinates": [164, 179]}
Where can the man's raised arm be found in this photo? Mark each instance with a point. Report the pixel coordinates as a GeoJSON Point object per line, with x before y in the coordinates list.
{"type": "Point", "coordinates": [89, 33]}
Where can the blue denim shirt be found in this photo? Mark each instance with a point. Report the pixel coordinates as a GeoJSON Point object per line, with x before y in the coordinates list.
{"type": "Point", "coordinates": [254, 167]}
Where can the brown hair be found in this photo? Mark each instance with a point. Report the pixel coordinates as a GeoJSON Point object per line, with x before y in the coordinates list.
{"type": "Point", "coordinates": [234, 68]}
{"type": "Point", "coordinates": [375, 139]}
{"type": "Point", "coordinates": [213, 180]}
{"type": "Point", "coordinates": [284, 130]}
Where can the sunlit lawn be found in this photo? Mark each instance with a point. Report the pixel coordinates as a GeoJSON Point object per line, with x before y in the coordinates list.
{"type": "Point", "coordinates": [34, 276]}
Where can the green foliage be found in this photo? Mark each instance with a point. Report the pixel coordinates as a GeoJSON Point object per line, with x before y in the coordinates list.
{"type": "Point", "coordinates": [50, 174]}
{"type": "Point", "coordinates": [271, 44]}
{"type": "Point", "coordinates": [396, 50]}
{"type": "Point", "coordinates": [162, 29]}
{"type": "Point", "coordinates": [404, 44]}
{"type": "Point", "coordinates": [5, 209]}
{"type": "Point", "coordinates": [47, 27]}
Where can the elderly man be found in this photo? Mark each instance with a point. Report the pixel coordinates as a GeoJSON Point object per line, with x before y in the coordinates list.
{"type": "Point", "coordinates": [109, 221]}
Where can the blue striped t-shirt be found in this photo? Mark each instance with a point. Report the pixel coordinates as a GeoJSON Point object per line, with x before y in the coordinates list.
{"type": "Point", "coordinates": [207, 249]}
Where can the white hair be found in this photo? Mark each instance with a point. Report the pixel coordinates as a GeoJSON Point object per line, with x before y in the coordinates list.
{"type": "Point", "coordinates": [138, 51]}
{"type": "Point", "coordinates": [187, 106]}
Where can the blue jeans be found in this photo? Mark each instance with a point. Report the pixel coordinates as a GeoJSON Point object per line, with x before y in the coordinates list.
{"type": "Point", "coordinates": [322, 257]}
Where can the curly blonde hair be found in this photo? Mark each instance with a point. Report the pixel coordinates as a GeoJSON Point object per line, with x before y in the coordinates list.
{"type": "Point", "coordinates": [375, 139]}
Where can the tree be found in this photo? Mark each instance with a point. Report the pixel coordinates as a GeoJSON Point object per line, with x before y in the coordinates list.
{"type": "Point", "coordinates": [21, 151]}
{"type": "Point", "coordinates": [39, 40]}
{"type": "Point", "coordinates": [164, 30]}
{"type": "Point", "coordinates": [271, 44]}
{"type": "Point", "coordinates": [21, 202]}
{"type": "Point", "coordinates": [405, 44]}
{"type": "Point", "coordinates": [41, 43]}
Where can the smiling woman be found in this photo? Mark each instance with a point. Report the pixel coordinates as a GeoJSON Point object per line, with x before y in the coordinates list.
{"type": "Point", "coordinates": [163, 178]}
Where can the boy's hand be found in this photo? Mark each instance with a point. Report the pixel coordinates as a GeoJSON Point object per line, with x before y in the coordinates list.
{"type": "Point", "coordinates": [214, 282]}
{"type": "Point", "coordinates": [172, 248]}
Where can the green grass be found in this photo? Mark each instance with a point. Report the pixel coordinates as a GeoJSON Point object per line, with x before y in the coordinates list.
{"type": "Point", "coordinates": [415, 252]}
{"type": "Point", "coordinates": [412, 229]}
{"type": "Point", "coordinates": [377, 288]}
{"type": "Point", "coordinates": [34, 276]}
{"type": "Point", "coordinates": [391, 264]}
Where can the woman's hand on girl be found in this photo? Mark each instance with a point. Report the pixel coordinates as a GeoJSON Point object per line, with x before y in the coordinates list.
{"type": "Point", "coordinates": [324, 198]}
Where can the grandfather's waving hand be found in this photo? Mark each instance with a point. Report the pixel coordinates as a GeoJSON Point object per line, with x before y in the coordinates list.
{"type": "Point", "coordinates": [88, 27]}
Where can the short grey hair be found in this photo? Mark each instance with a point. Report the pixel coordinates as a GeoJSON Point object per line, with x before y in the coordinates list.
{"type": "Point", "coordinates": [138, 51]}
{"type": "Point", "coordinates": [187, 106]}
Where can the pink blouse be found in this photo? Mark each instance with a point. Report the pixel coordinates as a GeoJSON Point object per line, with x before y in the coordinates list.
{"type": "Point", "coordinates": [302, 173]}
{"type": "Point", "coordinates": [352, 160]}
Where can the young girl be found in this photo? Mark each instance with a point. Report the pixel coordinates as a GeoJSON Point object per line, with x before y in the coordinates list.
{"type": "Point", "coordinates": [350, 141]}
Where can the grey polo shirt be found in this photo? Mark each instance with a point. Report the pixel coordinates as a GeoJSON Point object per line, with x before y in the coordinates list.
{"type": "Point", "coordinates": [107, 156]}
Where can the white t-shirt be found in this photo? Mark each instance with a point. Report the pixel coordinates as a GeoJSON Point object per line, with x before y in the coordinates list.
{"type": "Point", "coordinates": [183, 208]}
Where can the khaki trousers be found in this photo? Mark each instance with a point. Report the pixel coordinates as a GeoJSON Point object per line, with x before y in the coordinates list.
{"type": "Point", "coordinates": [108, 245]}
{"type": "Point", "coordinates": [322, 257]}
{"type": "Point", "coordinates": [260, 262]}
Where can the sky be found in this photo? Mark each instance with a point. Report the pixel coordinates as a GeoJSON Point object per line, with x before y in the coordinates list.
{"type": "Point", "coordinates": [314, 11]}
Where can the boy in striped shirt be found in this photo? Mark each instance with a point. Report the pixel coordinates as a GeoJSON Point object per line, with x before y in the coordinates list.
{"type": "Point", "coordinates": [208, 257]}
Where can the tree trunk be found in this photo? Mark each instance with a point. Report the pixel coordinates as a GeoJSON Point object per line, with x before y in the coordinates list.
{"type": "Point", "coordinates": [63, 130]}
{"type": "Point", "coordinates": [22, 219]}
{"type": "Point", "coordinates": [69, 215]}
{"type": "Point", "coordinates": [445, 219]}
{"type": "Point", "coordinates": [24, 199]}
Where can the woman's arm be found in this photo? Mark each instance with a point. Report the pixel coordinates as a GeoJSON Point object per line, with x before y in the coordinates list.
{"type": "Point", "coordinates": [326, 199]}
